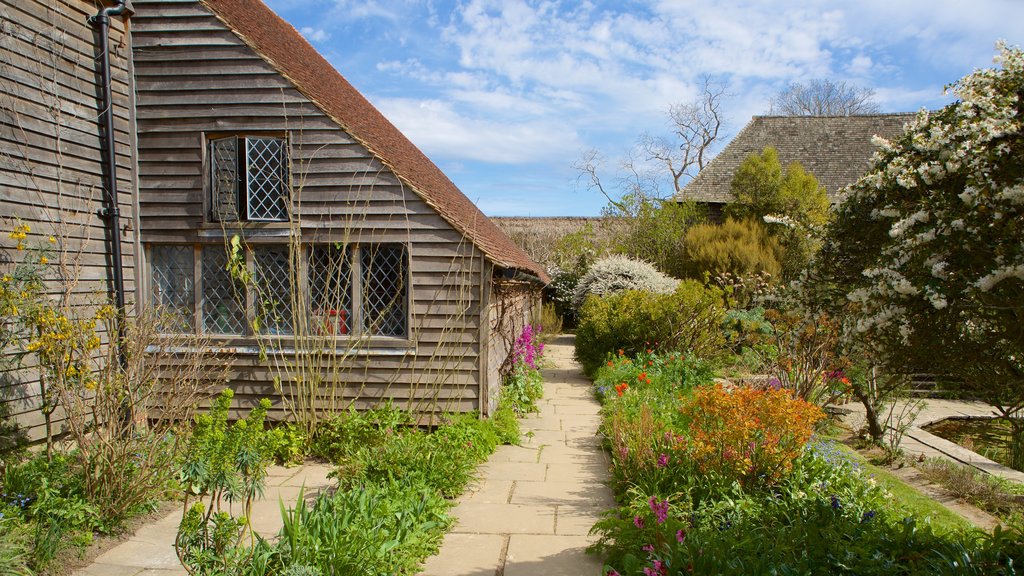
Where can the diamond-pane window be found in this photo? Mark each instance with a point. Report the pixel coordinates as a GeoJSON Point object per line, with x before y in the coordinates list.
{"type": "Point", "coordinates": [223, 297]}
{"type": "Point", "coordinates": [384, 290]}
{"type": "Point", "coordinates": [266, 184]}
{"type": "Point", "coordinates": [172, 272]}
{"type": "Point", "coordinates": [330, 289]}
{"type": "Point", "coordinates": [273, 287]}
{"type": "Point", "coordinates": [224, 179]}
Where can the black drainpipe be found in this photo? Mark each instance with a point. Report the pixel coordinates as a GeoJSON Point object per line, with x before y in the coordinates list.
{"type": "Point", "coordinates": [112, 212]}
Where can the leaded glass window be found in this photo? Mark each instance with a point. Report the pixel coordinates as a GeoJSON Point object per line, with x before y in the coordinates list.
{"type": "Point", "coordinates": [266, 184]}
{"type": "Point", "coordinates": [384, 289]}
{"type": "Point", "coordinates": [273, 289]}
{"type": "Point", "coordinates": [224, 179]}
{"type": "Point", "coordinates": [330, 289]}
{"type": "Point", "coordinates": [172, 273]}
{"type": "Point", "coordinates": [223, 296]}
{"type": "Point", "coordinates": [249, 179]}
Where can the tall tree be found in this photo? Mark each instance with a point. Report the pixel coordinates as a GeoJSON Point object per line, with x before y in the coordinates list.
{"type": "Point", "coordinates": [790, 202]}
{"type": "Point", "coordinates": [823, 97]}
{"type": "Point", "coordinates": [928, 247]}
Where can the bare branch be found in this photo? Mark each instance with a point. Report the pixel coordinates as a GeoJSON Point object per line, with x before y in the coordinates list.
{"type": "Point", "coordinates": [824, 98]}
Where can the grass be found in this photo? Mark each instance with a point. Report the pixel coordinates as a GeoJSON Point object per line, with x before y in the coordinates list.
{"type": "Point", "coordinates": [919, 505]}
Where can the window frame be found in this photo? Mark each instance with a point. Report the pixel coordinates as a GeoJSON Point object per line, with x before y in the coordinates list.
{"type": "Point", "coordinates": [356, 324]}
{"type": "Point", "coordinates": [242, 178]}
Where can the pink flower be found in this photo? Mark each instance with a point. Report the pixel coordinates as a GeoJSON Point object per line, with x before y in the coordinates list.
{"type": "Point", "coordinates": [638, 522]}
{"type": "Point", "coordinates": [680, 535]}
{"type": "Point", "coordinates": [662, 460]}
{"type": "Point", "coordinates": [659, 508]}
{"type": "Point", "coordinates": [647, 548]}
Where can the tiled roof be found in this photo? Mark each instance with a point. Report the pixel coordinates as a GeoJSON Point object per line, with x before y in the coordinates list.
{"type": "Point", "coordinates": [836, 149]}
{"type": "Point", "coordinates": [286, 50]}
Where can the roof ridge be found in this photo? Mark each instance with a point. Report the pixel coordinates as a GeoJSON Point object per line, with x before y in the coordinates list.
{"type": "Point", "coordinates": [288, 52]}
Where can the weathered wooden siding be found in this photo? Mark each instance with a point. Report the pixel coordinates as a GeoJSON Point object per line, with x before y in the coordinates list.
{"type": "Point", "coordinates": [510, 306]}
{"type": "Point", "coordinates": [51, 174]}
{"type": "Point", "coordinates": [195, 76]}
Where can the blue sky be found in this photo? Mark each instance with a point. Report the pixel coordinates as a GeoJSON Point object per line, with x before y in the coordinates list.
{"type": "Point", "coordinates": [506, 95]}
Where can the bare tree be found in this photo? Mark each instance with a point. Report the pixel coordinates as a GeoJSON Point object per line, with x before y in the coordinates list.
{"type": "Point", "coordinates": [694, 129]}
{"type": "Point", "coordinates": [824, 98]}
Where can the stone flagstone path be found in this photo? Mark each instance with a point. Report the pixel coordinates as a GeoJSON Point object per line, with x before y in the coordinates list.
{"type": "Point", "coordinates": [532, 508]}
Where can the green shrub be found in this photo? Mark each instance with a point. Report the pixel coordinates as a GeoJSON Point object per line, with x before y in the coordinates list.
{"type": "Point", "coordinates": [288, 444]}
{"type": "Point", "coordinates": [688, 319]}
{"type": "Point", "coordinates": [739, 247]}
{"type": "Point", "coordinates": [550, 322]}
{"type": "Point", "coordinates": [506, 422]}
{"type": "Point", "coordinates": [616, 274]}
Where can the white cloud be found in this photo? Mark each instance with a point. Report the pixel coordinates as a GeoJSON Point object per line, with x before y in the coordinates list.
{"type": "Point", "coordinates": [440, 131]}
{"type": "Point", "coordinates": [315, 34]}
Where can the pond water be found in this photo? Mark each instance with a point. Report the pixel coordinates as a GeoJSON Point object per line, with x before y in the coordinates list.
{"type": "Point", "coordinates": [989, 437]}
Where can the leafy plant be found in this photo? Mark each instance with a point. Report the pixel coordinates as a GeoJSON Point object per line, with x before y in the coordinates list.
{"type": "Point", "coordinates": [688, 320]}
{"type": "Point", "coordinates": [288, 444]}
{"type": "Point", "coordinates": [737, 247]}
{"type": "Point", "coordinates": [223, 463]}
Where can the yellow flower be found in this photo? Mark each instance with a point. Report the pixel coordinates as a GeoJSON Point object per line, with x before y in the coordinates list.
{"type": "Point", "coordinates": [7, 278]}
{"type": "Point", "coordinates": [52, 239]}
{"type": "Point", "coordinates": [20, 246]}
{"type": "Point", "coordinates": [43, 260]}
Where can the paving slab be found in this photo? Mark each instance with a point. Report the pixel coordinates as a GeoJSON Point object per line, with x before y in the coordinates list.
{"type": "Point", "coordinates": [479, 518]}
{"type": "Point", "coordinates": [150, 551]}
{"type": "Point", "coordinates": [529, 471]}
{"type": "Point", "coordinates": [550, 555]}
{"type": "Point", "coordinates": [541, 509]}
{"type": "Point", "coordinates": [467, 555]}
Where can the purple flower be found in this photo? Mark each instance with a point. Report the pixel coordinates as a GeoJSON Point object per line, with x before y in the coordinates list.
{"type": "Point", "coordinates": [662, 460]}
{"type": "Point", "coordinates": [638, 522]}
{"type": "Point", "coordinates": [836, 505]}
{"type": "Point", "coordinates": [680, 535]}
{"type": "Point", "coordinates": [659, 508]}
{"type": "Point", "coordinates": [647, 548]}
{"type": "Point", "coordinates": [775, 384]}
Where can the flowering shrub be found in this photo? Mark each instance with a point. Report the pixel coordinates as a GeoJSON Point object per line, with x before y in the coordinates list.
{"type": "Point", "coordinates": [525, 384]}
{"type": "Point", "coordinates": [528, 348]}
{"type": "Point", "coordinates": [618, 274]}
{"type": "Point", "coordinates": [747, 434]}
{"type": "Point", "coordinates": [927, 247]}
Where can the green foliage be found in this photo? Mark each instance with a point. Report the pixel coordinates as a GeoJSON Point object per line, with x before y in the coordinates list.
{"type": "Point", "coordinates": [372, 529]}
{"type": "Point", "coordinates": [550, 321]}
{"type": "Point", "coordinates": [792, 200]}
{"type": "Point", "coordinates": [505, 421]}
{"type": "Point", "coordinates": [523, 387]}
{"type": "Point", "coordinates": [687, 319]}
{"type": "Point", "coordinates": [47, 497]}
{"type": "Point", "coordinates": [739, 247]}
{"type": "Point", "coordinates": [288, 444]}
{"type": "Point", "coordinates": [15, 548]}
{"type": "Point", "coordinates": [223, 463]}
{"type": "Point", "coordinates": [655, 233]}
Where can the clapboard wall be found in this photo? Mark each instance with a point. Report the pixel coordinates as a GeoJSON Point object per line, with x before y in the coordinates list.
{"type": "Point", "coordinates": [196, 76]}
{"type": "Point", "coordinates": [51, 172]}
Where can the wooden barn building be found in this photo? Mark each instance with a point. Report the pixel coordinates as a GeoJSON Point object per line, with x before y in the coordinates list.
{"type": "Point", "coordinates": [267, 209]}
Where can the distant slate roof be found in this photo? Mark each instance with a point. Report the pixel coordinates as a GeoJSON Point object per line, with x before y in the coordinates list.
{"type": "Point", "coordinates": [837, 150]}
{"type": "Point", "coordinates": [284, 48]}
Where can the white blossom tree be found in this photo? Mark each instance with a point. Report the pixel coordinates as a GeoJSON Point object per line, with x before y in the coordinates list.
{"type": "Point", "coordinates": [928, 247]}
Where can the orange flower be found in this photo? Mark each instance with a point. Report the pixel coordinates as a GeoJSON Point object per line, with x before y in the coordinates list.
{"type": "Point", "coordinates": [610, 363]}
{"type": "Point", "coordinates": [643, 377]}
{"type": "Point", "coordinates": [649, 350]}
{"type": "Point", "coordinates": [621, 352]}
{"type": "Point", "coordinates": [621, 388]}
